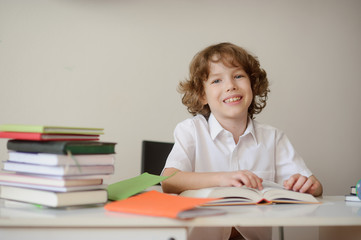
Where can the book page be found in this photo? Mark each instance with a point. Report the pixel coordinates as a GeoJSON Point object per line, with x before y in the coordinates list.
{"type": "Point", "coordinates": [277, 193]}
{"type": "Point", "coordinates": [269, 184]}
{"type": "Point", "coordinates": [288, 196]}
{"type": "Point", "coordinates": [228, 195]}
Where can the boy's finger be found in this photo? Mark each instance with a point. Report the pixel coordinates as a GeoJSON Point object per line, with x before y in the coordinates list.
{"type": "Point", "coordinates": [255, 180]}
{"type": "Point", "coordinates": [288, 184]}
{"type": "Point", "coordinates": [244, 180]}
{"type": "Point", "coordinates": [314, 187]}
{"type": "Point", "coordinates": [306, 186]}
{"type": "Point", "coordinates": [254, 183]}
{"type": "Point", "coordinates": [300, 182]}
{"type": "Point", "coordinates": [236, 183]}
{"type": "Point", "coordinates": [259, 183]}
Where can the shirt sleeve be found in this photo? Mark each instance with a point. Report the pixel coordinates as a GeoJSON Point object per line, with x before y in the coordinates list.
{"type": "Point", "coordinates": [288, 161]}
{"type": "Point", "coordinates": [182, 155]}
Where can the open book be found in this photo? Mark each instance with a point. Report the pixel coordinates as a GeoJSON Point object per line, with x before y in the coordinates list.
{"type": "Point", "coordinates": [271, 193]}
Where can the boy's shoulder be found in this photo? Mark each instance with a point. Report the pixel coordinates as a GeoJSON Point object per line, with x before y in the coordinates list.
{"type": "Point", "coordinates": [262, 127]}
{"type": "Point", "coordinates": [195, 122]}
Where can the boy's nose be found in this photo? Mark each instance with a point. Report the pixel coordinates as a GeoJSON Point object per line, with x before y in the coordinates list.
{"type": "Point", "coordinates": [231, 86]}
{"type": "Point", "coordinates": [231, 89]}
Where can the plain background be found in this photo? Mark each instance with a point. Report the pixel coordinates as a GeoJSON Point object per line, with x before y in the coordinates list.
{"type": "Point", "coordinates": [117, 64]}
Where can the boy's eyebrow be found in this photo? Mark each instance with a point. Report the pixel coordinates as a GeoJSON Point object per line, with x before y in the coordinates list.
{"type": "Point", "coordinates": [240, 68]}
{"type": "Point", "coordinates": [213, 75]}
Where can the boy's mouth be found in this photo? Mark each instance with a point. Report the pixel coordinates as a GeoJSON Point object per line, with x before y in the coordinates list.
{"type": "Point", "coordinates": [232, 99]}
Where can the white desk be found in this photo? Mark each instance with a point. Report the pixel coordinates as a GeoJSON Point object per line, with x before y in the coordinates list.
{"type": "Point", "coordinates": [96, 223]}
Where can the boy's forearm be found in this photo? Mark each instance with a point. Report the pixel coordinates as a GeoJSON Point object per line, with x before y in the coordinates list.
{"type": "Point", "coordinates": [182, 181]}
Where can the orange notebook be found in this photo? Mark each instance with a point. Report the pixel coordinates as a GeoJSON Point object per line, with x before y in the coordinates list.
{"type": "Point", "coordinates": [154, 203]}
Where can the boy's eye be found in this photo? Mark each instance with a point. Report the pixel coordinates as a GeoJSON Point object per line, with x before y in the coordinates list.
{"type": "Point", "coordinates": [238, 76]}
{"type": "Point", "coordinates": [216, 81]}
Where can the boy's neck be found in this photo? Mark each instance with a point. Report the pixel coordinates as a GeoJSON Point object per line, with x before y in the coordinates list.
{"type": "Point", "coordinates": [235, 126]}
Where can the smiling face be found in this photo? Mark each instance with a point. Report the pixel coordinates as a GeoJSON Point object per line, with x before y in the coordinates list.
{"type": "Point", "coordinates": [227, 91]}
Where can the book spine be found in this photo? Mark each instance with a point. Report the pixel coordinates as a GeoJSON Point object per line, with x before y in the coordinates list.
{"type": "Point", "coordinates": [32, 146]}
{"type": "Point", "coordinates": [62, 147]}
{"type": "Point", "coordinates": [92, 149]}
{"type": "Point", "coordinates": [58, 170]}
{"type": "Point", "coordinates": [21, 135]}
{"type": "Point", "coordinates": [21, 128]}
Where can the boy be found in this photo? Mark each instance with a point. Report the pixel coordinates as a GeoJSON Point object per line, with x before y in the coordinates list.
{"type": "Point", "coordinates": [222, 145]}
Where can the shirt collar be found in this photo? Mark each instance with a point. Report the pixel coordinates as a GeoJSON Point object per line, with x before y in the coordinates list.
{"type": "Point", "coordinates": [215, 128]}
{"type": "Point", "coordinates": [250, 130]}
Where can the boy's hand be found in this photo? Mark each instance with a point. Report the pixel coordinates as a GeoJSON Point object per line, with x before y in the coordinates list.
{"type": "Point", "coordinates": [299, 183]}
{"type": "Point", "coordinates": [241, 178]}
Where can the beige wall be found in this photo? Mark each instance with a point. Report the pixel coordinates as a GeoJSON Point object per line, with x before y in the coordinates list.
{"type": "Point", "coordinates": [116, 64]}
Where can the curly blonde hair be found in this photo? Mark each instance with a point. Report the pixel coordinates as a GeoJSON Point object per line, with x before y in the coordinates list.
{"type": "Point", "coordinates": [230, 54]}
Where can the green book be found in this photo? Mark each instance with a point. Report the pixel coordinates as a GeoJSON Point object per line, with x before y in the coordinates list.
{"type": "Point", "coordinates": [62, 147]}
{"type": "Point", "coordinates": [50, 129]}
{"type": "Point", "coordinates": [129, 187]}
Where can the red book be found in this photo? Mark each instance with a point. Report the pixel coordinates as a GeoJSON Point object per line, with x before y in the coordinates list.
{"type": "Point", "coordinates": [47, 137]}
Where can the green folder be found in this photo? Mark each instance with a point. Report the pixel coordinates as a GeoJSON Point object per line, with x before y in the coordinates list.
{"type": "Point", "coordinates": [129, 187]}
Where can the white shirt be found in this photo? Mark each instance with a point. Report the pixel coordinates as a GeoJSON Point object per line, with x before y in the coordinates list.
{"type": "Point", "coordinates": [204, 146]}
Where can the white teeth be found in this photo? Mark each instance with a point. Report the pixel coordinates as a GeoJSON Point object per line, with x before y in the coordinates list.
{"type": "Point", "coordinates": [229, 100]}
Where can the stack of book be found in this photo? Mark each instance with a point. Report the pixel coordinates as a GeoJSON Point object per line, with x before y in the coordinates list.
{"type": "Point", "coordinates": [55, 166]}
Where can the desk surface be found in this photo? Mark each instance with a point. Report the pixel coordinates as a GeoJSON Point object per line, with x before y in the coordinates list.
{"type": "Point", "coordinates": [333, 211]}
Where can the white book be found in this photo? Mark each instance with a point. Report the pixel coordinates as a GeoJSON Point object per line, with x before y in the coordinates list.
{"type": "Point", "coordinates": [271, 193]}
{"type": "Point", "coordinates": [58, 159]}
{"type": "Point", "coordinates": [352, 198]}
{"type": "Point", "coordinates": [54, 181]}
{"type": "Point", "coordinates": [58, 170]}
{"type": "Point", "coordinates": [54, 189]}
{"type": "Point", "coordinates": [53, 199]}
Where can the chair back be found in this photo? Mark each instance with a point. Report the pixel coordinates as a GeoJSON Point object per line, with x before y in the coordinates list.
{"type": "Point", "coordinates": [154, 156]}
